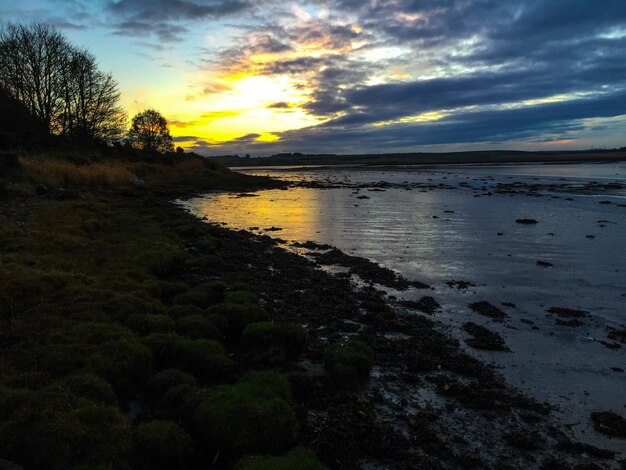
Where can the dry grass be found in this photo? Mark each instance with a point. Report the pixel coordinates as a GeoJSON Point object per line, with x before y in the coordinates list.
{"type": "Point", "coordinates": [58, 173]}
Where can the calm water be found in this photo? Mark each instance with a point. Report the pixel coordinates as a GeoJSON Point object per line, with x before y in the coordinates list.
{"type": "Point", "coordinates": [447, 233]}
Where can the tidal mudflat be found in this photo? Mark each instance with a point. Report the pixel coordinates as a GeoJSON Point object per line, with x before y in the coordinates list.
{"type": "Point", "coordinates": [542, 246]}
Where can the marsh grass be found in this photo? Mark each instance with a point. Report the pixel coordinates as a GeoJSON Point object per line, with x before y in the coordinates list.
{"type": "Point", "coordinates": [57, 172]}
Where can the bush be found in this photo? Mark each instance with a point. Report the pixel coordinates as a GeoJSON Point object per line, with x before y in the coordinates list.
{"type": "Point", "coordinates": [201, 296]}
{"type": "Point", "coordinates": [289, 338]}
{"type": "Point", "coordinates": [161, 445]}
{"type": "Point", "coordinates": [348, 362]}
{"type": "Point", "coordinates": [252, 416]}
{"type": "Point", "coordinates": [299, 458]}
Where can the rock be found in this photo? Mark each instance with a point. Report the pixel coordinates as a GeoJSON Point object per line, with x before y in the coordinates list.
{"type": "Point", "coordinates": [526, 221]}
{"type": "Point", "coordinates": [609, 423]}
{"type": "Point", "coordinates": [488, 310]}
{"type": "Point", "coordinates": [544, 264]}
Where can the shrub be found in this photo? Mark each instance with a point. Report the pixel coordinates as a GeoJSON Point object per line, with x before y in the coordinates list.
{"type": "Point", "coordinates": [252, 416]}
{"type": "Point", "coordinates": [161, 445]}
{"type": "Point", "coordinates": [201, 296]}
{"type": "Point", "coordinates": [348, 362]}
{"type": "Point", "coordinates": [299, 458]}
{"type": "Point", "coordinates": [289, 338]}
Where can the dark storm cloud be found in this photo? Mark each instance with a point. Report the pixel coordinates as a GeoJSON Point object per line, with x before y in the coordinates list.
{"type": "Point", "coordinates": [161, 10]}
{"type": "Point", "coordinates": [543, 122]}
{"type": "Point", "coordinates": [166, 18]}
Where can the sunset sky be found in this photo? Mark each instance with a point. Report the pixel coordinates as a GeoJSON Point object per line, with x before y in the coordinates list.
{"type": "Point", "coordinates": [350, 76]}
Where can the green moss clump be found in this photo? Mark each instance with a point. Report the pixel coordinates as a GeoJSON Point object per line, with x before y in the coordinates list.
{"type": "Point", "coordinates": [207, 261]}
{"type": "Point", "coordinates": [201, 296]}
{"type": "Point", "coordinates": [252, 416]}
{"type": "Point", "coordinates": [161, 258]}
{"type": "Point", "coordinates": [146, 324]}
{"type": "Point", "coordinates": [179, 311]}
{"type": "Point", "coordinates": [161, 445]}
{"type": "Point", "coordinates": [199, 326]}
{"type": "Point", "coordinates": [238, 316]}
{"type": "Point", "coordinates": [299, 458]}
{"type": "Point", "coordinates": [204, 358]}
{"type": "Point", "coordinates": [162, 381]}
{"type": "Point", "coordinates": [54, 429]}
{"type": "Point", "coordinates": [91, 386]}
{"type": "Point", "coordinates": [289, 338]}
{"type": "Point", "coordinates": [207, 244]}
{"type": "Point", "coordinates": [241, 297]}
{"type": "Point", "coordinates": [348, 362]}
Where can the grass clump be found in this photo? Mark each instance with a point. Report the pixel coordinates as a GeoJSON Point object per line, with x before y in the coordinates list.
{"type": "Point", "coordinates": [91, 386]}
{"type": "Point", "coordinates": [201, 326]}
{"type": "Point", "coordinates": [149, 323]}
{"type": "Point", "coordinates": [238, 316]}
{"type": "Point", "coordinates": [299, 458]}
{"type": "Point", "coordinates": [252, 416]}
{"type": "Point", "coordinates": [202, 296]}
{"type": "Point", "coordinates": [54, 429]}
{"type": "Point", "coordinates": [203, 358]}
{"type": "Point", "coordinates": [161, 445]}
{"type": "Point", "coordinates": [348, 363]}
{"type": "Point", "coordinates": [241, 297]}
{"type": "Point", "coordinates": [287, 338]}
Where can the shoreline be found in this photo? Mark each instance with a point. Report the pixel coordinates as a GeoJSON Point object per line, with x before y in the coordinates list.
{"type": "Point", "coordinates": [426, 404]}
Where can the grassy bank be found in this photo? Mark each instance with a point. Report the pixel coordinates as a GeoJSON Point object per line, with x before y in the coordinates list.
{"type": "Point", "coordinates": [120, 346]}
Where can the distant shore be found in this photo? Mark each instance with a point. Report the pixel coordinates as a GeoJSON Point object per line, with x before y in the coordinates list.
{"type": "Point", "coordinates": [451, 158]}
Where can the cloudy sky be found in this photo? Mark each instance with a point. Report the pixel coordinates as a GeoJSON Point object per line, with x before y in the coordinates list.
{"type": "Point", "coordinates": [350, 76]}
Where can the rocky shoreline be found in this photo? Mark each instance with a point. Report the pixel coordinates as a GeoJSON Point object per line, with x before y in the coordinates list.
{"type": "Point", "coordinates": [428, 404]}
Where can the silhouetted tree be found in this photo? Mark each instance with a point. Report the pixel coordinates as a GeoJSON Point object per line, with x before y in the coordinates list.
{"type": "Point", "coordinates": [149, 132]}
{"type": "Point", "coordinates": [91, 102]}
{"type": "Point", "coordinates": [60, 85]}
{"type": "Point", "coordinates": [32, 59]}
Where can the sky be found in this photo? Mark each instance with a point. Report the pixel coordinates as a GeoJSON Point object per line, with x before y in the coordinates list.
{"type": "Point", "coordinates": [360, 76]}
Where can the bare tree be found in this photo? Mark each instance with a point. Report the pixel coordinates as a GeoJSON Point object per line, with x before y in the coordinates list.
{"type": "Point", "coordinates": [59, 84]}
{"type": "Point", "coordinates": [32, 59]}
{"type": "Point", "coordinates": [91, 101]}
{"type": "Point", "coordinates": [149, 132]}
